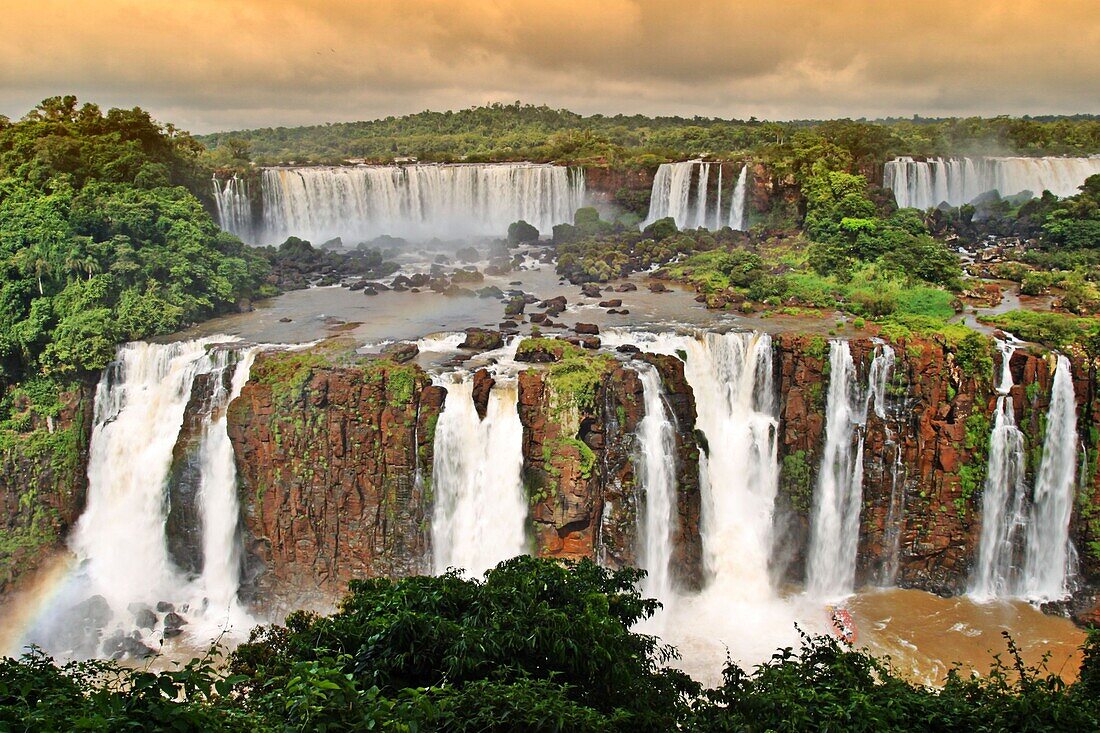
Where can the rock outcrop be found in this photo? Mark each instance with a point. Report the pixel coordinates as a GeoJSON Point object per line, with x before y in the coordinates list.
{"type": "Point", "coordinates": [335, 471]}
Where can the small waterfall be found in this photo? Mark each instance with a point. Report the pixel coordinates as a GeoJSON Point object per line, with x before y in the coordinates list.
{"type": "Point", "coordinates": [234, 207]}
{"type": "Point", "coordinates": [737, 207]}
{"type": "Point", "coordinates": [718, 202]}
{"type": "Point", "coordinates": [1003, 515]}
{"type": "Point", "coordinates": [1050, 555]}
{"type": "Point", "coordinates": [480, 506]}
{"type": "Point", "coordinates": [957, 181]}
{"type": "Point", "coordinates": [124, 566]}
{"type": "Point", "coordinates": [732, 376]}
{"type": "Point", "coordinates": [416, 201]}
{"type": "Point", "coordinates": [671, 196]}
{"type": "Point", "coordinates": [701, 220]}
{"type": "Point", "coordinates": [218, 496]}
{"type": "Point", "coordinates": [834, 537]}
{"type": "Point", "coordinates": [894, 515]}
{"type": "Point", "coordinates": [657, 461]}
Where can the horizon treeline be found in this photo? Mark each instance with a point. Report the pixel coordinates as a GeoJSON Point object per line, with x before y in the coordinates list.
{"type": "Point", "coordinates": [512, 132]}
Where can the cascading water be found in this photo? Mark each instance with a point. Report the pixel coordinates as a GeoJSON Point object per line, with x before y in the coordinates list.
{"type": "Point", "coordinates": [834, 536]}
{"type": "Point", "coordinates": [234, 207]}
{"type": "Point", "coordinates": [480, 507]}
{"type": "Point", "coordinates": [957, 181]}
{"type": "Point", "coordinates": [739, 476]}
{"type": "Point", "coordinates": [1003, 515]}
{"type": "Point", "coordinates": [416, 201]}
{"type": "Point", "coordinates": [671, 196]}
{"type": "Point", "coordinates": [124, 567]}
{"type": "Point", "coordinates": [737, 207]}
{"type": "Point", "coordinates": [657, 461]}
{"type": "Point", "coordinates": [1050, 556]}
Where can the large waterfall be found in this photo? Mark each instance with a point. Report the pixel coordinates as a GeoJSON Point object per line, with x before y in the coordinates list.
{"type": "Point", "coordinates": [125, 568]}
{"type": "Point", "coordinates": [671, 196]}
{"type": "Point", "coordinates": [1050, 555]}
{"type": "Point", "coordinates": [414, 201]}
{"type": "Point", "coordinates": [923, 184]}
{"type": "Point", "coordinates": [1003, 515]}
{"type": "Point", "coordinates": [732, 374]}
{"type": "Point", "coordinates": [480, 505]}
{"type": "Point", "coordinates": [834, 537]}
{"type": "Point", "coordinates": [657, 473]}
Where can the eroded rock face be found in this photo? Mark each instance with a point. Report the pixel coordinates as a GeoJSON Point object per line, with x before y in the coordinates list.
{"type": "Point", "coordinates": [334, 466]}
{"type": "Point", "coordinates": [43, 484]}
{"type": "Point", "coordinates": [580, 469]}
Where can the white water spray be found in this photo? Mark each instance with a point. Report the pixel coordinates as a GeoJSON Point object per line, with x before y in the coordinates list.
{"type": "Point", "coordinates": [834, 537]}
{"type": "Point", "coordinates": [957, 181]}
{"type": "Point", "coordinates": [657, 460]}
{"type": "Point", "coordinates": [1003, 515]}
{"type": "Point", "coordinates": [480, 506]}
{"type": "Point", "coordinates": [1050, 555]}
{"type": "Point", "coordinates": [737, 207]}
{"type": "Point", "coordinates": [416, 201]}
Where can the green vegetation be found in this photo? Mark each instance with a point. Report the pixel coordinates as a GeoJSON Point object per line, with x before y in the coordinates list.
{"type": "Point", "coordinates": [103, 240]}
{"type": "Point", "coordinates": [796, 481]}
{"type": "Point", "coordinates": [537, 645]}
{"type": "Point", "coordinates": [503, 132]}
{"type": "Point", "coordinates": [1059, 330]}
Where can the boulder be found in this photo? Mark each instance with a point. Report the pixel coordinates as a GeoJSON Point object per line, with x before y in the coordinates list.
{"type": "Point", "coordinates": [402, 352]}
{"type": "Point", "coordinates": [586, 329]}
{"type": "Point", "coordinates": [612, 303]}
{"type": "Point", "coordinates": [482, 339]}
{"type": "Point", "coordinates": [483, 385]}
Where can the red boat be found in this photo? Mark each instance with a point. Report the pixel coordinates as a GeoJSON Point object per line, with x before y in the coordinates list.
{"type": "Point", "coordinates": [843, 625]}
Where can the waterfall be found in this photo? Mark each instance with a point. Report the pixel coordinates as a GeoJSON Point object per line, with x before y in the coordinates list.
{"type": "Point", "coordinates": [124, 568]}
{"type": "Point", "coordinates": [416, 201]}
{"type": "Point", "coordinates": [1049, 558]}
{"type": "Point", "coordinates": [834, 536]}
{"type": "Point", "coordinates": [731, 375]}
{"type": "Point", "coordinates": [657, 462]}
{"type": "Point", "coordinates": [701, 196]}
{"type": "Point", "coordinates": [671, 196]}
{"type": "Point", "coordinates": [234, 206]}
{"type": "Point", "coordinates": [957, 181]}
{"type": "Point", "coordinates": [480, 506]}
{"type": "Point", "coordinates": [1003, 516]}
{"type": "Point", "coordinates": [737, 207]}
{"type": "Point", "coordinates": [218, 494]}
{"type": "Point", "coordinates": [718, 202]}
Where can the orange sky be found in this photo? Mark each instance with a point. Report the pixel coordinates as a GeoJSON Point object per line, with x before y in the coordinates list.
{"type": "Point", "coordinates": [218, 64]}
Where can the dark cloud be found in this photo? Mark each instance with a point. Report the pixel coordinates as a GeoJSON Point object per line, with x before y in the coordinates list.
{"type": "Point", "coordinates": [209, 65]}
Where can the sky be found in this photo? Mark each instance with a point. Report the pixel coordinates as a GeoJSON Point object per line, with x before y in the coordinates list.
{"type": "Point", "coordinates": [209, 65]}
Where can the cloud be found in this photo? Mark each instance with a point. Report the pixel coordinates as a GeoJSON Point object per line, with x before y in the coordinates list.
{"type": "Point", "coordinates": [208, 64]}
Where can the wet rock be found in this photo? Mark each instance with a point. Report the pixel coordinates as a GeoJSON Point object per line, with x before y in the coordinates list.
{"type": "Point", "coordinates": [626, 288]}
{"type": "Point", "coordinates": [627, 349]}
{"type": "Point", "coordinates": [482, 339]}
{"type": "Point", "coordinates": [284, 319]}
{"type": "Point", "coordinates": [145, 619]}
{"type": "Point", "coordinates": [515, 306]}
{"type": "Point", "coordinates": [586, 329]}
{"type": "Point", "coordinates": [454, 291]}
{"type": "Point", "coordinates": [173, 621]}
{"type": "Point", "coordinates": [468, 254]}
{"type": "Point", "coordinates": [591, 290]}
{"type": "Point", "coordinates": [482, 386]}
{"type": "Point", "coordinates": [403, 352]}
{"type": "Point", "coordinates": [538, 318]}
{"type": "Point", "coordinates": [467, 276]}
{"type": "Point", "coordinates": [370, 290]}
{"type": "Point", "coordinates": [165, 607]}
{"type": "Point", "coordinates": [613, 303]}
{"type": "Point", "coordinates": [438, 284]}
{"type": "Point", "coordinates": [554, 306]}
{"type": "Point", "coordinates": [658, 287]}
{"type": "Point", "coordinates": [419, 280]}
{"type": "Point", "coordinates": [442, 260]}
{"type": "Point", "coordinates": [490, 291]}
{"type": "Point", "coordinates": [357, 285]}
